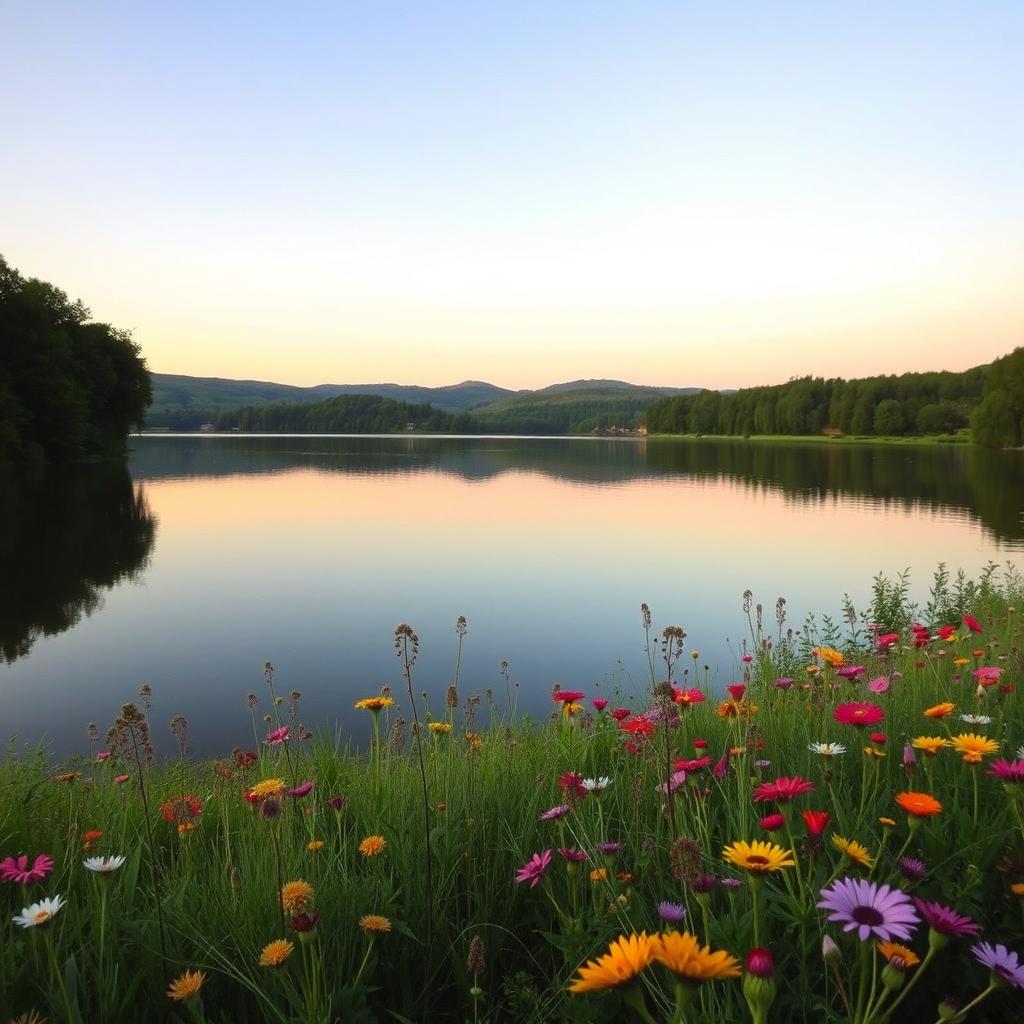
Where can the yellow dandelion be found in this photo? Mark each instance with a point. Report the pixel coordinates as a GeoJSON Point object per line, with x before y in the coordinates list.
{"type": "Point", "coordinates": [627, 957]}
{"type": "Point", "coordinates": [857, 852]}
{"type": "Point", "coordinates": [267, 788]}
{"type": "Point", "coordinates": [684, 956]}
{"type": "Point", "coordinates": [276, 953]}
{"type": "Point", "coordinates": [371, 846]}
{"type": "Point", "coordinates": [568, 710]}
{"type": "Point", "coordinates": [374, 704]}
{"type": "Point", "coordinates": [930, 745]}
{"type": "Point", "coordinates": [296, 897]}
{"type": "Point", "coordinates": [186, 985]}
{"type": "Point", "coordinates": [973, 747]}
{"type": "Point", "coordinates": [374, 924]}
{"type": "Point", "coordinates": [315, 844]}
{"type": "Point", "coordinates": [758, 857]}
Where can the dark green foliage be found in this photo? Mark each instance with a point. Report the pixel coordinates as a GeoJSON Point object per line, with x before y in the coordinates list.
{"type": "Point", "coordinates": [69, 389]}
{"type": "Point", "coordinates": [998, 422]}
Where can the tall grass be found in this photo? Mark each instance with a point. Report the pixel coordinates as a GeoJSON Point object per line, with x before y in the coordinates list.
{"type": "Point", "coordinates": [214, 880]}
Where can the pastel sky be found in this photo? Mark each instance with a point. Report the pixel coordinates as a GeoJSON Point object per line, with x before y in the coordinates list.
{"type": "Point", "coordinates": [691, 194]}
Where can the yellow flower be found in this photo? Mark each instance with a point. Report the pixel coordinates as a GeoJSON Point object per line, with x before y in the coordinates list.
{"type": "Point", "coordinates": [296, 897]}
{"type": "Point", "coordinates": [626, 958]}
{"type": "Point", "coordinates": [598, 874]}
{"type": "Point", "coordinates": [857, 852]}
{"type": "Point", "coordinates": [474, 740]}
{"type": "Point", "coordinates": [267, 788]}
{"type": "Point", "coordinates": [959, 662]}
{"type": "Point", "coordinates": [758, 856]}
{"type": "Point", "coordinates": [683, 955]}
{"type": "Point", "coordinates": [315, 844]}
{"type": "Point", "coordinates": [973, 747]}
{"type": "Point", "coordinates": [186, 985]}
{"type": "Point", "coordinates": [735, 709]}
{"type": "Point", "coordinates": [812, 670]}
{"type": "Point", "coordinates": [276, 953]}
{"type": "Point", "coordinates": [899, 956]}
{"type": "Point", "coordinates": [372, 845]}
{"type": "Point", "coordinates": [931, 745]}
{"type": "Point", "coordinates": [943, 710]}
{"type": "Point", "coordinates": [830, 655]}
{"type": "Point", "coordinates": [440, 728]}
{"type": "Point", "coordinates": [1017, 888]}
{"type": "Point", "coordinates": [374, 924]}
{"type": "Point", "coordinates": [186, 826]}
{"type": "Point", "coordinates": [887, 822]}
{"type": "Point", "coordinates": [874, 752]}
{"type": "Point", "coordinates": [374, 703]}
{"type": "Point", "coordinates": [568, 710]}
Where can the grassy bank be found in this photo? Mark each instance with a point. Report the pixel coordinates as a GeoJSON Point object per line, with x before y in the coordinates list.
{"type": "Point", "coordinates": [409, 908]}
{"type": "Point", "coordinates": [963, 437]}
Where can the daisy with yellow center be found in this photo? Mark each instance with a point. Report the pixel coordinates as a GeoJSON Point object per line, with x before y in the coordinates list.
{"type": "Point", "coordinates": [296, 897]}
{"type": "Point", "coordinates": [899, 956]}
{"type": "Point", "coordinates": [374, 924]}
{"type": "Point", "coordinates": [627, 957]}
{"type": "Point", "coordinates": [857, 852]}
{"type": "Point", "coordinates": [267, 788]}
{"type": "Point", "coordinates": [374, 704]}
{"type": "Point", "coordinates": [371, 846]}
{"type": "Point", "coordinates": [930, 745]}
{"type": "Point", "coordinates": [943, 710]}
{"type": "Point", "coordinates": [973, 747]}
{"type": "Point", "coordinates": [276, 953]}
{"type": "Point", "coordinates": [186, 986]}
{"type": "Point", "coordinates": [684, 956]}
{"type": "Point", "coordinates": [758, 857]}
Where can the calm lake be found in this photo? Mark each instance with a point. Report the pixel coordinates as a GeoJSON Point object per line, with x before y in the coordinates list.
{"type": "Point", "coordinates": [210, 555]}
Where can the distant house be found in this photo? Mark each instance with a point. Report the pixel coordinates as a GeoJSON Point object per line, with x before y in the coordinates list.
{"type": "Point", "coordinates": [207, 428]}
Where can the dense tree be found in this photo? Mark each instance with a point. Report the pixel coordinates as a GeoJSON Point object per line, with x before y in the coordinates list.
{"type": "Point", "coordinates": [998, 421]}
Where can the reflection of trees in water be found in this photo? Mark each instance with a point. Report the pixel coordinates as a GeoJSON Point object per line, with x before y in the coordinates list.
{"type": "Point", "coordinates": [65, 538]}
{"type": "Point", "coordinates": [979, 483]}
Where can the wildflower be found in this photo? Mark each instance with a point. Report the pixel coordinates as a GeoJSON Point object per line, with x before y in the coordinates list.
{"type": "Point", "coordinates": [569, 709]}
{"type": "Point", "coordinates": [627, 957]}
{"type": "Point", "coordinates": [104, 865]}
{"type": "Point", "coordinates": [304, 923]}
{"type": "Point", "coordinates": [103, 755]}
{"type": "Point", "coordinates": [559, 811]}
{"type": "Point", "coordinates": [912, 869]}
{"type": "Point", "coordinates": [40, 914]}
{"type": "Point", "coordinates": [827, 749]}
{"type": "Point", "coordinates": [782, 790]}
{"type": "Point", "coordinates": [829, 655]}
{"type": "Point", "coordinates": [686, 697]}
{"type": "Point", "coordinates": [857, 852]}
{"type": "Point", "coordinates": [637, 726]}
{"type": "Point", "coordinates": [736, 691]}
{"type": "Point", "coordinates": [693, 764]}
{"type": "Point", "coordinates": [90, 838]}
{"type": "Point", "coordinates": [1011, 772]}
{"type": "Point", "coordinates": [758, 857]}
{"type": "Point", "coordinates": [816, 821]}
{"type": "Point", "coordinates": [371, 846]}
{"type": "Point", "coordinates": [567, 696]}
{"type": "Point", "coordinates": [931, 745]}
{"type": "Point", "coordinates": [245, 758]}
{"type": "Point", "coordinates": [573, 855]}
{"type": "Point", "coordinates": [440, 728]}
{"type": "Point", "coordinates": [278, 736]}
{"type": "Point", "coordinates": [269, 808]}
{"type": "Point", "coordinates": [675, 780]}
{"type": "Point", "coordinates": [337, 803]}
{"type": "Point", "coordinates": [296, 897]}
{"type": "Point", "coordinates": [772, 822]}
{"type": "Point", "coordinates": [597, 875]}
{"type": "Point", "coordinates": [869, 909]}
{"type": "Point", "coordinates": [671, 913]}
{"type": "Point", "coordinates": [918, 805]}
{"type": "Point", "coordinates": [374, 924]}
{"type": "Point", "coordinates": [851, 671]}
{"type": "Point", "coordinates": [973, 747]}
{"type": "Point", "coordinates": [829, 950]}
{"type": "Point", "coordinates": [1004, 964]}
{"type": "Point", "coordinates": [872, 752]}
{"type": "Point", "coordinates": [534, 869]}
{"type": "Point", "coordinates": [945, 921]}
{"type": "Point", "coordinates": [858, 713]}
{"type": "Point", "coordinates": [943, 710]}
{"type": "Point", "coordinates": [275, 953]}
{"type": "Point", "coordinates": [599, 704]}
{"type": "Point", "coordinates": [121, 779]}
{"type": "Point", "coordinates": [877, 737]}
{"type": "Point", "coordinates": [620, 714]}
{"type": "Point", "coordinates": [728, 883]}
{"type": "Point", "coordinates": [186, 986]}
{"type": "Point", "coordinates": [475, 962]}
{"type": "Point", "coordinates": [266, 789]}
{"type": "Point", "coordinates": [879, 685]}
{"type": "Point", "coordinates": [684, 956]}
{"type": "Point", "coordinates": [784, 682]}
{"type": "Point", "coordinates": [597, 785]}
{"type": "Point", "coordinates": [608, 849]}
{"type": "Point", "coordinates": [975, 719]}
{"type": "Point", "coordinates": [886, 640]}
{"type": "Point", "coordinates": [736, 709]}
{"type": "Point", "coordinates": [700, 744]}
{"type": "Point", "coordinates": [315, 844]}
{"type": "Point", "coordinates": [898, 956]}
{"type": "Point", "coordinates": [987, 676]}
{"type": "Point", "coordinates": [972, 623]}
{"type": "Point", "coordinates": [17, 870]}
{"type": "Point", "coordinates": [374, 704]}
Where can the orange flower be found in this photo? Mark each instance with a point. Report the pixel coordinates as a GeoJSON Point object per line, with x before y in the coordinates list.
{"type": "Point", "coordinates": [918, 805]}
{"type": "Point", "coordinates": [943, 710]}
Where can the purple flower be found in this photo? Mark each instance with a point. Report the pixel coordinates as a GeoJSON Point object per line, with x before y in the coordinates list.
{"type": "Point", "coordinates": [337, 803]}
{"type": "Point", "coordinates": [304, 790]}
{"type": "Point", "coordinates": [730, 883]}
{"type": "Point", "coordinates": [1002, 962]}
{"type": "Point", "coordinates": [673, 913]}
{"type": "Point", "coordinates": [277, 737]}
{"type": "Point", "coordinates": [784, 683]}
{"type": "Point", "coordinates": [608, 849]}
{"type": "Point", "coordinates": [574, 856]}
{"type": "Point", "coordinates": [676, 779]}
{"type": "Point", "coordinates": [558, 811]}
{"type": "Point", "coordinates": [703, 883]}
{"type": "Point", "coordinates": [944, 920]}
{"type": "Point", "coordinates": [850, 671]}
{"type": "Point", "coordinates": [533, 870]}
{"type": "Point", "coordinates": [870, 909]}
{"type": "Point", "coordinates": [1007, 771]}
{"type": "Point", "coordinates": [912, 869]}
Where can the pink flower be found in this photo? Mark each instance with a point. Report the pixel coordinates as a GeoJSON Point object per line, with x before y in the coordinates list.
{"type": "Point", "coordinates": [782, 790]}
{"type": "Point", "coordinates": [533, 870]}
{"type": "Point", "coordinates": [987, 675]}
{"type": "Point", "coordinates": [304, 790]}
{"type": "Point", "coordinates": [972, 623]}
{"type": "Point", "coordinates": [599, 703]}
{"type": "Point", "coordinates": [747, 659]}
{"type": "Point", "coordinates": [886, 640]}
{"type": "Point", "coordinates": [784, 682]}
{"type": "Point", "coordinates": [689, 696]}
{"type": "Point", "coordinates": [12, 870]}
{"type": "Point", "coordinates": [772, 822]}
{"type": "Point", "coordinates": [850, 671]}
{"type": "Point", "coordinates": [277, 737]}
{"type": "Point", "coordinates": [879, 685]}
{"type": "Point", "coordinates": [567, 696]}
{"type": "Point", "coordinates": [120, 779]}
{"type": "Point", "coordinates": [858, 714]}
{"type": "Point", "coordinates": [103, 755]}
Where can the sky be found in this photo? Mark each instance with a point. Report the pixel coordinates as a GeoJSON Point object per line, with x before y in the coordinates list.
{"type": "Point", "coordinates": [684, 194]}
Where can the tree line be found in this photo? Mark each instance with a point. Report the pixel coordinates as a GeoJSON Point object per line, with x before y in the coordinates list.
{"type": "Point", "coordinates": [69, 388]}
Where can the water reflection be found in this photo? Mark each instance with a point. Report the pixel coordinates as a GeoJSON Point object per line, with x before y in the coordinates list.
{"type": "Point", "coordinates": [65, 539]}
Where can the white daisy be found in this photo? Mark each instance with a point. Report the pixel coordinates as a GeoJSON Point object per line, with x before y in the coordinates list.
{"type": "Point", "coordinates": [1020, 753]}
{"type": "Point", "coordinates": [827, 749]}
{"type": "Point", "coordinates": [40, 913]}
{"type": "Point", "coordinates": [596, 785]}
{"type": "Point", "coordinates": [976, 719]}
{"type": "Point", "coordinates": [103, 865]}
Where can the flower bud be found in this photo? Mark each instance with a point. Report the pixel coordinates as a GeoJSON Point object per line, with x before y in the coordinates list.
{"type": "Point", "coordinates": [759, 983]}
{"type": "Point", "coordinates": [830, 951]}
{"type": "Point", "coordinates": [772, 822]}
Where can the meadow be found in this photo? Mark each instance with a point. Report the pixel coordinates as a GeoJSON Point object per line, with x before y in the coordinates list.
{"type": "Point", "coordinates": [837, 836]}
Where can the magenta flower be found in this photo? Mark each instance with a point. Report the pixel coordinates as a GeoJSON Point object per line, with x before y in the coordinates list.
{"type": "Point", "coordinates": [337, 803]}
{"type": "Point", "coordinates": [277, 737]}
{"type": "Point", "coordinates": [782, 790]}
{"type": "Point", "coordinates": [17, 870]}
{"type": "Point", "coordinates": [912, 869]}
{"type": "Point", "coordinates": [850, 671]}
{"type": "Point", "coordinates": [608, 849]}
{"type": "Point", "coordinates": [944, 920]}
{"type": "Point", "coordinates": [672, 913]}
{"type": "Point", "coordinates": [760, 963]}
{"type": "Point", "coordinates": [600, 703]}
{"type": "Point", "coordinates": [772, 822]}
{"type": "Point", "coordinates": [857, 713]}
{"type": "Point", "coordinates": [120, 779]}
{"type": "Point", "coordinates": [304, 790]}
{"type": "Point", "coordinates": [879, 685]}
{"type": "Point", "coordinates": [784, 682]}
{"type": "Point", "coordinates": [533, 870]}
{"type": "Point", "coordinates": [103, 755]}
{"type": "Point", "coordinates": [1007, 771]}
{"type": "Point", "coordinates": [869, 909]}
{"type": "Point", "coordinates": [1002, 962]}
{"type": "Point", "coordinates": [558, 811]}
{"type": "Point", "coordinates": [676, 779]}
{"type": "Point", "coordinates": [573, 855]}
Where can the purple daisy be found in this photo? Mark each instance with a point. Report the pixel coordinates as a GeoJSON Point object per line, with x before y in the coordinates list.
{"type": "Point", "coordinates": [672, 913]}
{"type": "Point", "coordinates": [912, 869]}
{"type": "Point", "coordinates": [730, 883]}
{"type": "Point", "coordinates": [870, 909]}
{"type": "Point", "coordinates": [608, 849]}
{"type": "Point", "coordinates": [533, 870]}
{"type": "Point", "coordinates": [574, 856]}
{"type": "Point", "coordinates": [558, 811]}
{"type": "Point", "coordinates": [1002, 962]}
{"type": "Point", "coordinates": [944, 920]}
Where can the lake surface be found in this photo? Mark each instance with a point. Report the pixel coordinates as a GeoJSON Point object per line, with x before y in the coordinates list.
{"type": "Point", "coordinates": [209, 555]}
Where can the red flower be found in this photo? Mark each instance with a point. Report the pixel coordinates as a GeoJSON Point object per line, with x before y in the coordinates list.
{"type": "Point", "coordinates": [857, 713]}
{"type": "Point", "coordinates": [690, 696]}
{"type": "Point", "coordinates": [567, 696]}
{"type": "Point", "coordinates": [181, 808]}
{"type": "Point", "coordinates": [878, 737]}
{"type": "Point", "coordinates": [782, 790]}
{"type": "Point", "coordinates": [700, 744]}
{"type": "Point", "coordinates": [772, 822]}
{"type": "Point", "coordinates": [600, 703]}
{"type": "Point", "coordinates": [972, 623]}
{"type": "Point", "coordinates": [244, 758]}
{"type": "Point", "coordinates": [736, 690]}
{"type": "Point", "coordinates": [694, 765]}
{"type": "Point", "coordinates": [619, 714]}
{"type": "Point", "coordinates": [886, 640]}
{"type": "Point", "coordinates": [946, 632]}
{"type": "Point", "coordinates": [816, 821]}
{"type": "Point", "coordinates": [572, 782]}
{"type": "Point", "coordinates": [637, 727]}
